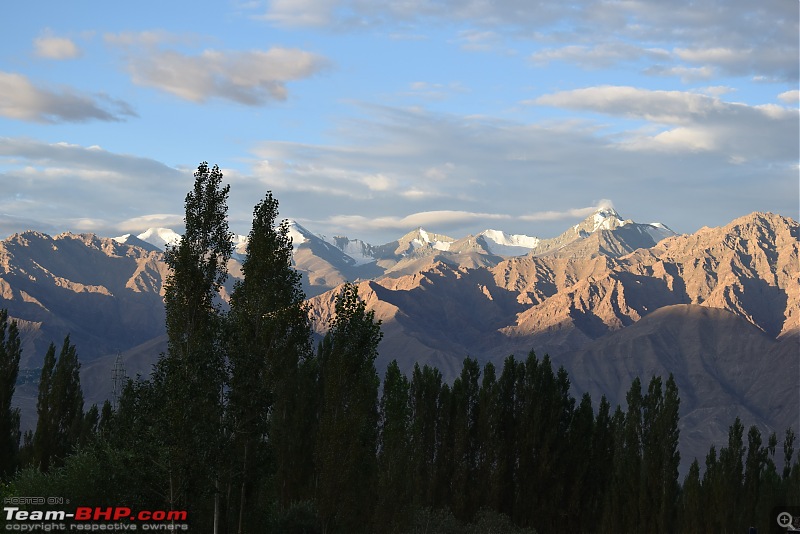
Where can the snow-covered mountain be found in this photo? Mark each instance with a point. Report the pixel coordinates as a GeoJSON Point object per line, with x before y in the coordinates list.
{"type": "Point", "coordinates": [159, 238]}
{"type": "Point", "coordinates": [502, 244]}
{"type": "Point", "coordinates": [327, 261]}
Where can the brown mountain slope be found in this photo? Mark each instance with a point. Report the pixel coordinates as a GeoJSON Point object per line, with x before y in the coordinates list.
{"type": "Point", "coordinates": [718, 308]}
{"type": "Point", "coordinates": [724, 367]}
{"type": "Point", "coordinates": [106, 295]}
{"type": "Point", "coordinates": [556, 304]}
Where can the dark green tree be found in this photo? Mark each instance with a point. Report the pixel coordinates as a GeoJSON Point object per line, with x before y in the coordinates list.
{"type": "Point", "coordinates": [425, 390]}
{"type": "Point", "coordinates": [192, 373]}
{"type": "Point", "coordinates": [59, 407]}
{"type": "Point", "coordinates": [347, 438]}
{"type": "Point", "coordinates": [394, 476]}
{"type": "Point", "coordinates": [691, 509]}
{"type": "Point", "coordinates": [577, 464]}
{"type": "Point", "coordinates": [269, 342]}
{"type": "Point", "coordinates": [486, 439]}
{"type": "Point", "coordinates": [788, 452]}
{"type": "Point", "coordinates": [444, 465]}
{"type": "Point", "coordinates": [545, 416]}
{"type": "Point", "coordinates": [622, 511]}
{"type": "Point", "coordinates": [10, 351]}
{"type": "Point", "coordinates": [465, 439]}
{"type": "Point", "coordinates": [598, 476]}
{"type": "Point", "coordinates": [660, 456]}
{"type": "Point", "coordinates": [506, 414]}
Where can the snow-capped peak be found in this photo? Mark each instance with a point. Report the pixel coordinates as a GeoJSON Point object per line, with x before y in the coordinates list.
{"type": "Point", "coordinates": [160, 237]}
{"type": "Point", "coordinates": [513, 240]}
{"type": "Point", "coordinates": [607, 219]}
{"type": "Point", "coordinates": [297, 233]}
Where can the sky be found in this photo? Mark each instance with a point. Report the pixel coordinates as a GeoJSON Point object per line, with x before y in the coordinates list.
{"type": "Point", "coordinates": [369, 118]}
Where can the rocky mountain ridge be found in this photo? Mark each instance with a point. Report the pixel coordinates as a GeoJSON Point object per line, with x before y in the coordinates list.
{"type": "Point", "coordinates": [719, 308]}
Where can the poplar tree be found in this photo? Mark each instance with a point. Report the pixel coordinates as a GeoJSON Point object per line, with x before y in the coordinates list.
{"type": "Point", "coordinates": [465, 436]}
{"type": "Point", "coordinates": [691, 502]}
{"type": "Point", "coordinates": [192, 373]}
{"type": "Point", "coordinates": [394, 480]}
{"type": "Point", "coordinates": [622, 511]}
{"type": "Point", "coordinates": [506, 476]}
{"type": "Point", "coordinates": [425, 390]}
{"type": "Point", "coordinates": [660, 456]}
{"type": "Point", "coordinates": [10, 351]}
{"type": "Point", "coordinates": [347, 439]}
{"type": "Point", "coordinates": [269, 347]}
{"type": "Point", "coordinates": [59, 407]}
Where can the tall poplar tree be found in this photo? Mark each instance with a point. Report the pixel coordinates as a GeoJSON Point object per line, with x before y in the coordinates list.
{"type": "Point", "coordinates": [465, 435]}
{"type": "Point", "coordinates": [192, 373]}
{"type": "Point", "coordinates": [425, 390]}
{"type": "Point", "coordinates": [347, 439]}
{"type": "Point", "coordinates": [59, 407]}
{"type": "Point", "coordinates": [394, 476]}
{"type": "Point", "coordinates": [10, 351]}
{"type": "Point", "coordinates": [269, 346]}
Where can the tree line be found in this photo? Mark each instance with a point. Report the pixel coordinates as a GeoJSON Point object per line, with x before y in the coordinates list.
{"type": "Point", "coordinates": [249, 427]}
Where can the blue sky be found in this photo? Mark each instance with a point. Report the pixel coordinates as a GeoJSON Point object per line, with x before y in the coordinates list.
{"type": "Point", "coordinates": [369, 118]}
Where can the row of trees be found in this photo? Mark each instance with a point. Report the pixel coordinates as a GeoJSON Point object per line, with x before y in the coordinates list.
{"type": "Point", "coordinates": [250, 428]}
{"type": "Point", "coordinates": [62, 425]}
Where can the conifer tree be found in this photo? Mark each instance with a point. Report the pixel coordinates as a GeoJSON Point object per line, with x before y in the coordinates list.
{"type": "Point", "coordinates": [347, 438]}
{"type": "Point", "coordinates": [10, 351]}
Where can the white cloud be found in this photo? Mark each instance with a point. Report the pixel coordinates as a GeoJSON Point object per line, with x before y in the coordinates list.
{"type": "Point", "coordinates": [22, 100]}
{"type": "Point", "coordinates": [250, 78]}
{"type": "Point", "coordinates": [431, 219]}
{"type": "Point", "coordinates": [790, 97]}
{"type": "Point", "coordinates": [49, 46]}
{"type": "Point", "coordinates": [291, 13]}
{"type": "Point", "coordinates": [693, 121]}
{"type": "Point", "coordinates": [151, 220]}
{"type": "Point", "coordinates": [717, 90]}
{"type": "Point", "coordinates": [147, 38]}
{"type": "Point", "coordinates": [378, 182]}
{"type": "Point", "coordinates": [686, 74]}
{"type": "Point", "coordinates": [597, 56]}
{"type": "Point", "coordinates": [561, 215]}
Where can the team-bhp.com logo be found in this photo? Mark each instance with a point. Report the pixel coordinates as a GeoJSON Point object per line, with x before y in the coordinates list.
{"type": "Point", "coordinates": [117, 518]}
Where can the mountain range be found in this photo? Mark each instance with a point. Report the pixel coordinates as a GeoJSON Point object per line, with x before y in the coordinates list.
{"type": "Point", "coordinates": [609, 299]}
